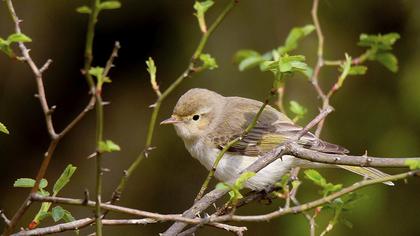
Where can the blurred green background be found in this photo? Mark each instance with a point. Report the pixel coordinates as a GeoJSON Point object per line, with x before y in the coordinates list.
{"type": "Point", "coordinates": [378, 112]}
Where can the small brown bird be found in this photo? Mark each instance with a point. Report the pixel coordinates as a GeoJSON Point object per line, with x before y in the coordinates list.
{"type": "Point", "coordinates": [206, 121]}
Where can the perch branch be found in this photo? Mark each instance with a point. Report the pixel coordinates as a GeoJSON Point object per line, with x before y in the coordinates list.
{"type": "Point", "coordinates": [216, 220]}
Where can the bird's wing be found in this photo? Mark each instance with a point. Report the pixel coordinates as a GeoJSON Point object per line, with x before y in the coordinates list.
{"type": "Point", "coordinates": [272, 129]}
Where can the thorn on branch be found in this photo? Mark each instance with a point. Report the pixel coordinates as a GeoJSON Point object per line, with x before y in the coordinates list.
{"type": "Point", "coordinates": [51, 110]}
{"type": "Point", "coordinates": [105, 103]}
{"type": "Point", "coordinates": [92, 155]}
{"type": "Point", "coordinates": [148, 150]}
{"type": "Point", "coordinates": [4, 217]}
{"type": "Point", "coordinates": [87, 197]}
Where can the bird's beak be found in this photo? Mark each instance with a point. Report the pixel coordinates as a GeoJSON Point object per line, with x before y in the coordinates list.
{"type": "Point", "coordinates": [171, 120]}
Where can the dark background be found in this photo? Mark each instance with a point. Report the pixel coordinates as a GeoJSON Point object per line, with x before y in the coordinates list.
{"type": "Point", "coordinates": [378, 112]}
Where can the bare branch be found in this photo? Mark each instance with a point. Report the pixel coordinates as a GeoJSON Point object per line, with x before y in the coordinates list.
{"type": "Point", "coordinates": [4, 217]}
{"type": "Point", "coordinates": [364, 161]}
{"type": "Point", "coordinates": [318, 202]}
{"type": "Point", "coordinates": [214, 221]}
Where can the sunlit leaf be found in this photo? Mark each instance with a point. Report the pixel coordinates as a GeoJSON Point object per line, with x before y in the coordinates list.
{"type": "Point", "coordinates": [294, 36]}
{"type": "Point", "coordinates": [389, 60]}
{"type": "Point", "coordinates": [18, 38]}
{"type": "Point", "coordinates": [382, 42]}
{"type": "Point", "coordinates": [109, 5]}
{"type": "Point", "coordinates": [3, 128]}
{"type": "Point", "coordinates": [57, 213]}
{"type": "Point", "coordinates": [413, 164]}
{"type": "Point", "coordinates": [64, 178]}
{"type": "Point", "coordinates": [29, 183]}
{"type": "Point", "coordinates": [208, 61]}
{"type": "Point", "coordinates": [84, 10]}
{"type": "Point", "coordinates": [108, 146]}
{"type": "Point", "coordinates": [200, 10]}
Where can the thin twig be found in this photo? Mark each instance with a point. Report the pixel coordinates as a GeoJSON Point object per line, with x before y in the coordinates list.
{"type": "Point", "coordinates": [99, 139]}
{"type": "Point", "coordinates": [82, 223]}
{"type": "Point", "coordinates": [4, 217]}
{"type": "Point", "coordinates": [156, 107]}
{"type": "Point", "coordinates": [55, 138]}
{"type": "Point", "coordinates": [218, 219]}
{"type": "Point", "coordinates": [315, 203]}
{"type": "Point", "coordinates": [125, 210]}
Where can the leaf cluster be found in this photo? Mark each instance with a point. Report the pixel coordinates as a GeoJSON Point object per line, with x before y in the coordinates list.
{"type": "Point", "coordinates": [235, 188]}
{"type": "Point", "coordinates": [57, 213]}
{"type": "Point", "coordinates": [5, 44]}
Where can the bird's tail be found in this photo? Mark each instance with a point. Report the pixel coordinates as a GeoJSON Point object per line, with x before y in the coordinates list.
{"type": "Point", "coordinates": [369, 172]}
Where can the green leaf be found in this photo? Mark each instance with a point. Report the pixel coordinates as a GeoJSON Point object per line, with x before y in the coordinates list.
{"type": "Point", "coordinates": [222, 186]}
{"type": "Point", "coordinates": [108, 146]}
{"type": "Point", "coordinates": [380, 45]}
{"type": "Point", "coordinates": [57, 213]}
{"type": "Point", "coordinates": [96, 71]}
{"type": "Point", "coordinates": [286, 64]}
{"type": "Point", "coordinates": [208, 61]}
{"type": "Point", "coordinates": [345, 70]}
{"type": "Point", "coordinates": [43, 193]}
{"type": "Point", "coordinates": [16, 38]}
{"type": "Point", "coordinates": [63, 179]}
{"type": "Point", "coordinates": [84, 10]}
{"type": "Point", "coordinates": [294, 36]}
{"type": "Point", "coordinates": [42, 214]}
{"type": "Point", "coordinates": [68, 217]}
{"type": "Point", "coordinates": [315, 177]}
{"type": "Point", "coordinates": [200, 10]}
{"type": "Point", "coordinates": [381, 42]}
{"type": "Point", "coordinates": [247, 59]}
{"type": "Point", "coordinates": [109, 5]}
{"type": "Point", "coordinates": [298, 110]}
{"type": "Point", "coordinates": [3, 128]}
{"type": "Point", "coordinates": [239, 183]}
{"type": "Point", "coordinates": [413, 164]}
{"type": "Point", "coordinates": [5, 47]}
{"type": "Point", "coordinates": [389, 60]}
{"type": "Point", "coordinates": [151, 68]}
{"type": "Point", "coordinates": [244, 54]}
{"type": "Point", "coordinates": [357, 70]}
{"type": "Point", "coordinates": [29, 183]}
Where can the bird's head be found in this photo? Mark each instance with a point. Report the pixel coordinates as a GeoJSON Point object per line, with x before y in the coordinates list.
{"type": "Point", "coordinates": [195, 113]}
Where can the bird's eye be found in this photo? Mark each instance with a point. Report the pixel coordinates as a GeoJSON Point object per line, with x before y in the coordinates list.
{"type": "Point", "coordinates": [196, 117]}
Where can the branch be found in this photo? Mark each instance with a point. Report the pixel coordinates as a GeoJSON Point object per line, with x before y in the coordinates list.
{"type": "Point", "coordinates": [318, 202]}
{"type": "Point", "coordinates": [213, 221]}
{"type": "Point", "coordinates": [4, 217]}
{"type": "Point", "coordinates": [364, 161]}
{"type": "Point", "coordinates": [99, 138]}
{"type": "Point", "coordinates": [150, 215]}
{"type": "Point", "coordinates": [156, 107]}
{"type": "Point", "coordinates": [82, 223]}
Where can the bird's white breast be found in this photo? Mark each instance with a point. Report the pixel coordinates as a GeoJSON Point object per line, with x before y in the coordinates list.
{"type": "Point", "coordinates": [231, 165]}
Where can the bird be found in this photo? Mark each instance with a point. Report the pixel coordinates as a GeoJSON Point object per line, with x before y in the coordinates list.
{"type": "Point", "coordinates": [206, 121]}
